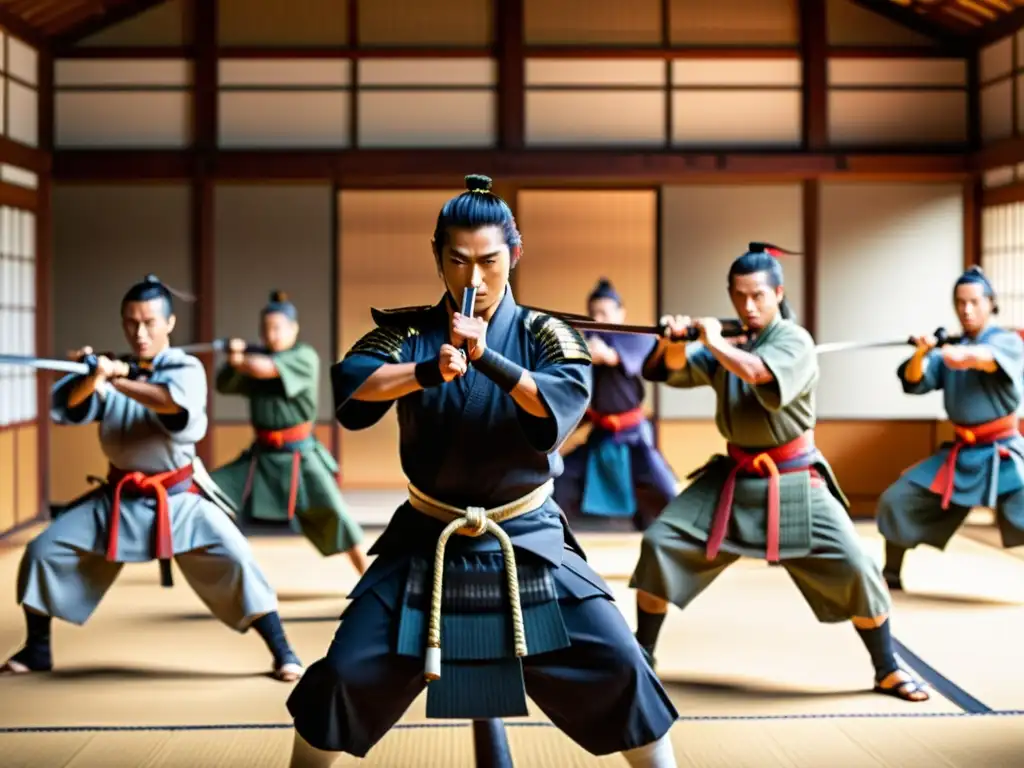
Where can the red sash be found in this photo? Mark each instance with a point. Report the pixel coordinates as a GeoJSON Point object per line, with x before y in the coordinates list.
{"type": "Point", "coordinates": [979, 434]}
{"type": "Point", "coordinates": [154, 485]}
{"type": "Point", "coordinates": [766, 465]}
{"type": "Point", "coordinates": [616, 422]}
{"type": "Point", "coordinates": [276, 439]}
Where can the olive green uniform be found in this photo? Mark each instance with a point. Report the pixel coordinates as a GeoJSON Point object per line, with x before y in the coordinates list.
{"type": "Point", "coordinates": [818, 544]}
{"type": "Point", "coordinates": [277, 404]}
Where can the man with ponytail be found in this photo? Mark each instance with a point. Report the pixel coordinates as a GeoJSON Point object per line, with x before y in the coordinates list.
{"type": "Point", "coordinates": [982, 383]}
{"type": "Point", "coordinates": [618, 472]}
{"type": "Point", "coordinates": [479, 558]}
{"type": "Point", "coordinates": [148, 507]}
{"type": "Point", "coordinates": [773, 495]}
{"type": "Point", "coordinates": [286, 476]}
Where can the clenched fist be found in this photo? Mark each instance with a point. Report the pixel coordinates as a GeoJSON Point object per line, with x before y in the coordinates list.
{"type": "Point", "coordinates": [110, 369]}
{"type": "Point", "coordinates": [676, 326]}
{"type": "Point", "coordinates": [452, 362]}
{"type": "Point", "coordinates": [236, 352]}
{"type": "Point", "coordinates": [924, 344]}
{"type": "Point", "coordinates": [472, 331]}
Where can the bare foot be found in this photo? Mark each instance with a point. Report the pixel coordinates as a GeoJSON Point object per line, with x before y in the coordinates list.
{"type": "Point", "coordinates": [902, 686]}
{"type": "Point", "coordinates": [288, 673]}
{"type": "Point", "coordinates": [13, 667]}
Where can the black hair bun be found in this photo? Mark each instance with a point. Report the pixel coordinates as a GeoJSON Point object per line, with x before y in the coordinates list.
{"type": "Point", "coordinates": [603, 283]}
{"type": "Point", "coordinates": [278, 297]}
{"type": "Point", "coordinates": [151, 278]}
{"type": "Point", "coordinates": [476, 182]}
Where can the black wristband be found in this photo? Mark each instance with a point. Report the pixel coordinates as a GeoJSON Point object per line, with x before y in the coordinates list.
{"type": "Point", "coordinates": [499, 369]}
{"type": "Point", "coordinates": [428, 373]}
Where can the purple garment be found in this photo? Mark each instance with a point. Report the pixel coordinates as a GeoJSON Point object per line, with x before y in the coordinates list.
{"type": "Point", "coordinates": [621, 388]}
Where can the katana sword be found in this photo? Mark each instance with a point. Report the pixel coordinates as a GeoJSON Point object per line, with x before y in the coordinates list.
{"type": "Point", "coordinates": [87, 365]}
{"type": "Point", "coordinates": [731, 327]}
{"type": "Point", "coordinates": [942, 338]}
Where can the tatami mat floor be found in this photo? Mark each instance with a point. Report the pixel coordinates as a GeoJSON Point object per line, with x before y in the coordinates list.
{"type": "Point", "coordinates": [757, 681]}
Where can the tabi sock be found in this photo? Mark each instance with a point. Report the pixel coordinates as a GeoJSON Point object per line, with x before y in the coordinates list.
{"type": "Point", "coordinates": [648, 625]}
{"type": "Point", "coordinates": [269, 628]}
{"type": "Point", "coordinates": [36, 654]}
{"type": "Point", "coordinates": [878, 641]}
{"type": "Point", "coordinates": [893, 561]}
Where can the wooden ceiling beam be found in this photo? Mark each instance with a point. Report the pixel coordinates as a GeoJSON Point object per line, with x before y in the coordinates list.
{"type": "Point", "coordinates": [917, 22]}
{"type": "Point", "coordinates": [997, 30]}
{"type": "Point", "coordinates": [354, 168]}
{"type": "Point", "coordinates": [20, 29]}
{"type": "Point", "coordinates": [95, 23]}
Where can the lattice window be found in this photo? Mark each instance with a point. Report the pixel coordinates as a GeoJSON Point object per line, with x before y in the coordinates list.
{"type": "Point", "coordinates": [17, 314]}
{"type": "Point", "coordinates": [1002, 258]}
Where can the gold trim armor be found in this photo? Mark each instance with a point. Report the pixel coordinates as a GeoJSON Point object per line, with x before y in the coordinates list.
{"type": "Point", "coordinates": [559, 341]}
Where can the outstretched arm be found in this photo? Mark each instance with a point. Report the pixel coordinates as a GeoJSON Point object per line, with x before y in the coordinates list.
{"type": "Point", "coordinates": [155, 397]}
{"type": "Point", "coordinates": [1002, 354]}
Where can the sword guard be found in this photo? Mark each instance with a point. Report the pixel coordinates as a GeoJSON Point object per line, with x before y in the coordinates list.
{"type": "Point", "coordinates": [136, 372]}
{"type": "Point", "coordinates": [92, 361]}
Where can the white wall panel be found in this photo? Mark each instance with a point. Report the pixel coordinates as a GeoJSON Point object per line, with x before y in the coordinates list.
{"type": "Point", "coordinates": [595, 118]}
{"type": "Point", "coordinates": [123, 119]}
{"type": "Point", "coordinates": [415, 118]}
{"type": "Point", "coordinates": [889, 255]}
{"type": "Point", "coordinates": [300, 119]}
{"type": "Point", "coordinates": [704, 228]}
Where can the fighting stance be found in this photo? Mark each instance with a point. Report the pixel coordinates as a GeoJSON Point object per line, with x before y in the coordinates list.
{"type": "Point", "coordinates": [618, 472]}
{"type": "Point", "coordinates": [286, 475]}
{"type": "Point", "coordinates": [149, 507]}
{"type": "Point", "coordinates": [774, 494]}
{"type": "Point", "coordinates": [982, 380]}
{"type": "Point", "coordinates": [479, 431]}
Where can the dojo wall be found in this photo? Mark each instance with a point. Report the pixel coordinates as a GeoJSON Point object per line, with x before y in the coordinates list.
{"type": "Point", "coordinates": [23, 306]}
{"type": "Point", "coordinates": [269, 237]}
{"type": "Point", "coordinates": [384, 260]}
{"type": "Point", "coordinates": [445, 65]}
{"type": "Point", "coordinates": [285, 83]}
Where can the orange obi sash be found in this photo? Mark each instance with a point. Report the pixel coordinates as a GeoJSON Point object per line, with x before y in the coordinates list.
{"type": "Point", "coordinates": [276, 440]}
{"type": "Point", "coordinates": [979, 434]}
{"type": "Point", "coordinates": [616, 422]}
{"type": "Point", "coordinates": [765, 464]}
{"type": "Point", "coordinates": [152, 485]}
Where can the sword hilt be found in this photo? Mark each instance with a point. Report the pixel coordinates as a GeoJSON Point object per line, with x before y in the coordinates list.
{"type": "Point", "coordinates": [731, 328]}
{"type": "Point", "coordinates": [942, 338]}
{"type": "Point", "coordinates": [135, 371]}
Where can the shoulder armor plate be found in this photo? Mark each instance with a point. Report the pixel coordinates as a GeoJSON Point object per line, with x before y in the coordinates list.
{"type": "Point", "coordinates": [401, 317]}
{"type": "Point", "coordinates": [559, 342]}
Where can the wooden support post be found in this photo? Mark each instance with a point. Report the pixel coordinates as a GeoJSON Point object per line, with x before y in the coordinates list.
{"type": "Point", "coordinates": [203, 20]}
{"type": "Point", "coordinates": [44, 280]}
{"type": "Point", "coordinates": [811, 238]}
{"type": "Point", "coordinates": [814, 60]}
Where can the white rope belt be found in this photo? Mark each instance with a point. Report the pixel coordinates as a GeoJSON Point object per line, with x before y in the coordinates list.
{"type": "Point", "coordinates": [475, 521]}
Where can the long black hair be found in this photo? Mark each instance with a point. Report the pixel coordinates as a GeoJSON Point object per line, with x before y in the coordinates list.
{"type": "Point", "coordinates": [760, 257]}
{"type": "Point", "coordinates": [477, 207]}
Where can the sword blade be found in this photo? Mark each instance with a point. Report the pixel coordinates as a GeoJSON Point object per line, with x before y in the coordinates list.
{"type": "Point", "coordinates": [217, 345]}
{"type": "Point", "coordinates": [45, 364]}
{"type": "Point", "coordinates": [849, 346]}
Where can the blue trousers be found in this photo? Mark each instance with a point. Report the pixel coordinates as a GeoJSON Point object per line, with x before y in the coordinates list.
{"type": "Point", "coordinates": [600, 691]}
